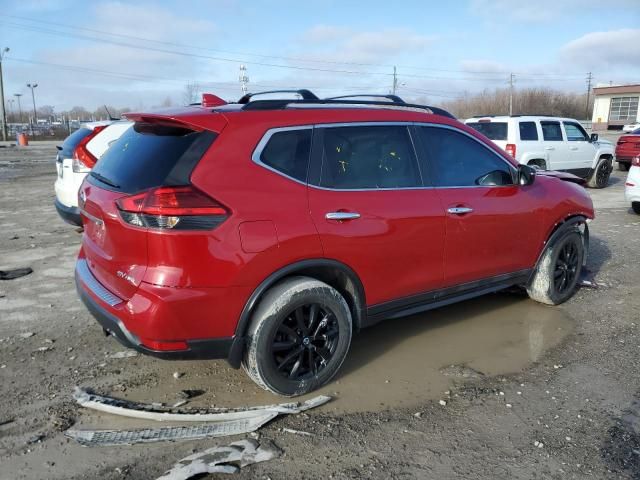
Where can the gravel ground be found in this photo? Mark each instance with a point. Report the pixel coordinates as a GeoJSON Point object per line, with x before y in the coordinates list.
{"type": "Point", "coordinates": [493, 388]}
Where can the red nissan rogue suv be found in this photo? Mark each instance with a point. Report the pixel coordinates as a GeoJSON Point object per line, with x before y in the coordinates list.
{"type": "Point", "coordinates": [267, 231]}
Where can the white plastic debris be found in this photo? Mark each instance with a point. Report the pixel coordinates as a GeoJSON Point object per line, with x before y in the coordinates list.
{"type": "Point", "coordinates": [124, 354]}
{"type": "Point", "coordinates": [157, 412]}
{"type": "Point", "coordinates": [297, 432]}
{"type": "Point", "coordinates": [177, 375]}
{"type": "Point", "coordinates": [442, 402]}
{"type": "Point", "coordinates": [227, 459]}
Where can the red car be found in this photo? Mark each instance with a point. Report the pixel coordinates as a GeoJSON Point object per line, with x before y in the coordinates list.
{"type": "Point", "coordinates": [266, 232]}
{"type": "Point", "coordinates": [627, 148]}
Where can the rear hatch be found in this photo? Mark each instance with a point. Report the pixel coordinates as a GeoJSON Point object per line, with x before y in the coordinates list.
{"type": "Point", "coordinates": [628, 146]}
{"type": "Point", "coordinates": [494, 130]}
{"type": "Point", "coordinates": [145, 157]}
{"type": "Point", "coordinates": [65, 151]}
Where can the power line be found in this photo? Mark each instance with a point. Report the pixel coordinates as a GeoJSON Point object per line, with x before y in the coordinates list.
{"type": "Point", "coordinates": [294, 59]}
{"type": "Point", "coordinates": [242, 61]}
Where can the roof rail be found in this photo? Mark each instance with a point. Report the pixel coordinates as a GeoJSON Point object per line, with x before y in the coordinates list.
{"type": "Point", "coordinates": [277, 104]}
{"type": "Point", "coordinates": [393, 98]}
{"type": "Point", "coordinates": [304, 93]}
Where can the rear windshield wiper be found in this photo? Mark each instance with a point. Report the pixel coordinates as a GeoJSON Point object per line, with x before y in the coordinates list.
{"type": "Point", "coordinates": [104, 180]}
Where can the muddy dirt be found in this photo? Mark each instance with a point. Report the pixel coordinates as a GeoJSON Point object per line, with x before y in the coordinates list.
{"type": "Point", "coordinates": [497, 387]}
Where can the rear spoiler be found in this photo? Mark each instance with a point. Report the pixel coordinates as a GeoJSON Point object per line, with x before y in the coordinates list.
{"type": "Point", "coordinates": [195, 119]}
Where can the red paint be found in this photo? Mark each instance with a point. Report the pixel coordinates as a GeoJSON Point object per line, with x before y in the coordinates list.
{"type": "Point", "coordinates": [189, 285]}
{"type": "Point", "coordinates": [628, 146]}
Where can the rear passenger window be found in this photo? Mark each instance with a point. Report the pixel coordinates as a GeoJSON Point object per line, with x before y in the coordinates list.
{"type": "Point", "coordinates": [368, 157]}
{"type": "Point", "coordinates": [528, 131]}
{"type": "Point", "coordinates": [460, 161]}
{"type": "Point", "coordinates": [288, 152]}
{"type": "Point", "coordinates": [551, 131]}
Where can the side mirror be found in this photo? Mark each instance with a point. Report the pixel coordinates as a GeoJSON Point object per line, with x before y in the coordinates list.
{"type": "Point", "coordinates": [526, 175]}
{"type": "Point", "coordinates": [594, 137]}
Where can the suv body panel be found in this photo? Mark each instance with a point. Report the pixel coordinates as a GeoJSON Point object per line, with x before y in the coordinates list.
{"type": "Point", "coordinates": [403, 253]}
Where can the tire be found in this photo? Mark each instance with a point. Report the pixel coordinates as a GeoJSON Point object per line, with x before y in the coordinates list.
{"type": "Point", "coordinates": [623, 166]}
{"type": "Point", "coordinates": [546, 285]}
{"type": "Point", "coordinates": [601, 174]}
{"type": "Point", "coordinates": [636, 207]}
{"type": "Point", "coordinates": [276, 321]}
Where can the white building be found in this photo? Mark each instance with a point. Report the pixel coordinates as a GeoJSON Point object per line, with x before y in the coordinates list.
{"type": "Point", "coordinates": [614, 106]}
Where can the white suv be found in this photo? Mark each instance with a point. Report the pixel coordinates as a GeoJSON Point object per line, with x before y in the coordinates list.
{"type": "Point", "coordinates": [77, 155]}
{"type": "Point", "coordinates": [550, 143]}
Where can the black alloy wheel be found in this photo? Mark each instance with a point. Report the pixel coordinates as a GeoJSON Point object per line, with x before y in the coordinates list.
{"type": "Point", "coordinates": [566, 268]}
{"type": "Point", "coordinates": [305, 342]}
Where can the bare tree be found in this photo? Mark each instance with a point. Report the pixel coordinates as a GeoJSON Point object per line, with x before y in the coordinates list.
{"type": "Point", "coordinates": [167, 102]}
{"type": "Point", "coordinates": [191, 92]}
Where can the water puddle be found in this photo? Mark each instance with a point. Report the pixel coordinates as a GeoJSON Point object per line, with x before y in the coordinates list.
{"type": "Point", "coordinates": [399, 362]}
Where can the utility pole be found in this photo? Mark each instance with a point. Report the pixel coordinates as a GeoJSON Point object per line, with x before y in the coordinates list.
{"type": "Point", "coordinates": [18, 95]}
{"type": "Point", "coordinates": [243, 79]}
{"type": "Point", "coordinates": [395, 81]}
{"type": "Point", "coordinates": [32, 86]}
{"type": "Point", "coordinates": [589, 80]}
{"type": "Point", "coordinates": [511, 78]}
{"type": "Point", "coordinates": [4, 113]}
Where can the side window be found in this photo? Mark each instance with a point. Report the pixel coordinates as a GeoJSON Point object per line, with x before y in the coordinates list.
{"type": "Point", "coordinates": [575, 133]}
{"type": "Point", "coordinates": [528, 131]}
{"type": "Point", "coordinates": [368, 157]}
{"type": "Point", "coordinates": [551, 131]}
{"type": "Point", "coordinates": [288, 152]}
{"type": "Point", "coordinates": [460, 161]}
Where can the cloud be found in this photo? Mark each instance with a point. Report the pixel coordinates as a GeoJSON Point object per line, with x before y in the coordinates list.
{"type": "Point", "coordinates": [482, 66]}
{"type": "Point", "coordinates": [615, 48]}
{"type": "Point", "coordinates": [540, 10]}
{"type": "Point", "coordinates": [342, 44]}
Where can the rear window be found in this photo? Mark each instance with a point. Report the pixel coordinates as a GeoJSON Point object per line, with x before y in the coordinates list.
{"type": "Point", "coordinates": [492, 130]}
{"type": "Point", "coordinates": [528, 131]}
{"type": "Point", "coordinates": [288, 152]}
{"type": "Point", "coordinates": [71, 142]}
{"type": "Point", "coordinates": [551, 131]}
{"type": "Point", "coordinates": [148, 156]}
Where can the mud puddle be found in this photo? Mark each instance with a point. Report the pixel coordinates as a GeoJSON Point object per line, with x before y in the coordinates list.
{"type": "Point", "coordinates": [399, 362]}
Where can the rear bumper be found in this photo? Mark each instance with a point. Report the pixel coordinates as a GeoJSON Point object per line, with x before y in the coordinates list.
{"type": "Point", "coordinates": [101, 303]}
{"type": "Point", "coordinates": [70, 215]}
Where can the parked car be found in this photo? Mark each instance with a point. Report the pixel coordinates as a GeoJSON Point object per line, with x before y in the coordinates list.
{"type": "Point", "coordinates": [550, 143]}
{"type": "Point", "coordinates": [78, 154]}
{"type": "Point", "coordinates": [630, 127]}
{"type": "Point", "coordinates": [267, 232]}
{"type": "Point", "coordinates": [632, 185]}
{"type": "Point", "coordinates": [627, 148]}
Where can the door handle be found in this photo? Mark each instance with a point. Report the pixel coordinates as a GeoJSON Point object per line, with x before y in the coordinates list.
{"type": "Point", "coordinates": [342, 216]}
{"type": "Point", "coordinates": [549, 148]}
{"type": "Point", "coordinates": [573, 148]}
{"type": "Point", "coordinates": [459, 210]}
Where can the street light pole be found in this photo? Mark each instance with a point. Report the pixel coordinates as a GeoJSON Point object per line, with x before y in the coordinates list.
{"type": "Point", "coordinates": [18, 95]}
{"type": "Point", "coordinates": [4, 114]}
{"type": "Point", "coordinates": [32, 86]}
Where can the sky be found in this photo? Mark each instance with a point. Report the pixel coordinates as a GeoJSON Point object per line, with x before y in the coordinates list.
{"type": "Point", "coordinates": [138, 54]}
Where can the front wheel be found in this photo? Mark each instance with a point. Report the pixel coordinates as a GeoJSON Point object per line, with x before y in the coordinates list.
{"type": "Point", "coordinates": [601, 174]}
{"type": "Point", "coordinates": [558, 271]}
{"type": "Point", "coordinates": [298, 338]}
{"type": "Point", "coordinates": [636, 207]}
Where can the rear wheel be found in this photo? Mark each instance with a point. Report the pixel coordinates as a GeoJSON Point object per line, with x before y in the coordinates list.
{"type": "Point", "coordinates": [558, 271]}
{"type": "Point", "coordinates": [601, 174]}
{"type": "Point", "coordinates": [538, 163]}
{"type": "Point", "coordinates": [636, 207]}
{"type": "Point", "coordinates": [298, 338]}
{"type": "Point", "coordinates": [623, 166]}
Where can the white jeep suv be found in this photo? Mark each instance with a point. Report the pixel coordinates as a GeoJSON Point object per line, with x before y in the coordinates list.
{"type": "Point", "coordinates": [550, 143]}
{"type": "Point", "coordinates": [76, 157]}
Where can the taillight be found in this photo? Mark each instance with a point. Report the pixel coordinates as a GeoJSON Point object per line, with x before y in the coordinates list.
{"type": "Point", "coordinates": [511, 149]}
{"type": "Point", "coordinates": [83, 160]}
{"type": "Point", "coordinates": [172, 208]}
{"type": "Point", "coordinates": [635, 161]}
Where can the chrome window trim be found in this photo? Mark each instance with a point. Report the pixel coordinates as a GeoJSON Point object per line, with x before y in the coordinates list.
{"type": "Point", "coordinates": [257, 152]}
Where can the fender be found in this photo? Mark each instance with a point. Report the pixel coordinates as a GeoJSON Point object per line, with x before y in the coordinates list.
{"type": "Point", "coordinates": [562, 228]}
{"type": "Point", "coordinates": [239, 341]}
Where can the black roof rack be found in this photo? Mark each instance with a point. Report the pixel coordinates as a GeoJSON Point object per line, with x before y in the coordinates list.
{"type": "Point", "coordinates": [304, 93]}
{"type": "Point", "coordinates": [393, 98]}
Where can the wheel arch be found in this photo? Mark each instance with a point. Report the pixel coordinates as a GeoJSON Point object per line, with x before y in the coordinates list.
{"type": "Point", "coordinates": [332, 272]}
{"type": "Point", "coordinates": [573, 221]}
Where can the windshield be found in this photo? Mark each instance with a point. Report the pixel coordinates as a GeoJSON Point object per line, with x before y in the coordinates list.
{"type": "Point", "coordinates": [491, 130]}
